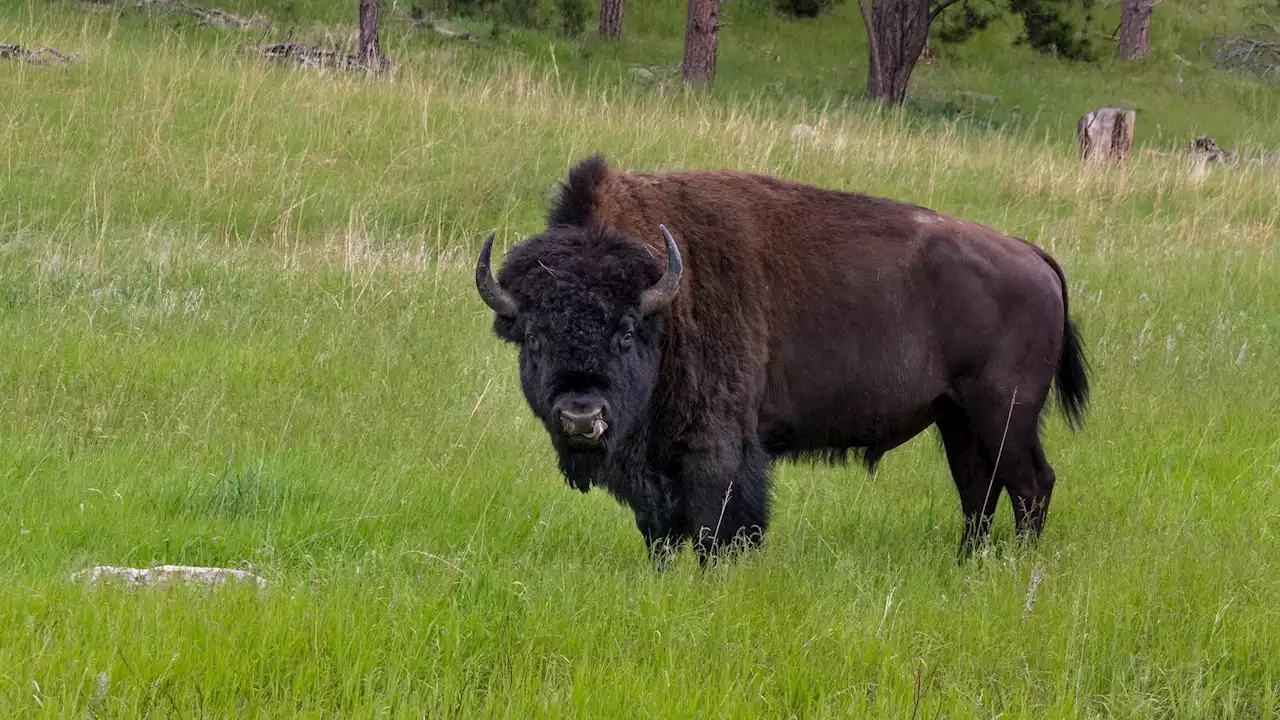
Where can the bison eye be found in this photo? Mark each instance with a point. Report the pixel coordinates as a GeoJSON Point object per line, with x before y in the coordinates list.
{"type": "Point", "coordinates": [627, 338]}
{"type": "Point", "coordinates": [531, 342]}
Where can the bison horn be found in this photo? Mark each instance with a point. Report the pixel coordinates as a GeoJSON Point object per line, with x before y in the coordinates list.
{"type": "Point", "coordinates": [659, 296]}
{"type": "Point", "coordinates": [491, 292]}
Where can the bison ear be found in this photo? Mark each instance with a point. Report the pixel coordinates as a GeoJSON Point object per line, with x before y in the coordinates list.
{"type": "Point", "coordinates": [660, 296]}
{"type": "Point", "coordinates": [493, 294]}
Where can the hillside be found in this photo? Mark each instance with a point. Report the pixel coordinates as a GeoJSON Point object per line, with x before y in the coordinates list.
{"type": "Point", "coordinates": [816, 63]}
{"type": "Point", "coordinates": [240, 329]}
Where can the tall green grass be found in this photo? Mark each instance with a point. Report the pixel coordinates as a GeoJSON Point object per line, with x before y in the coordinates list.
{"type": "Point", "coordinates": [239, 330]}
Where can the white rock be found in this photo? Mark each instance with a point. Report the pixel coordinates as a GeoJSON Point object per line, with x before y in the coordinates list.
{"type": "Point", "coordinates": [166, 573]}
{"type": "Point", "coordinates": [802, 130]}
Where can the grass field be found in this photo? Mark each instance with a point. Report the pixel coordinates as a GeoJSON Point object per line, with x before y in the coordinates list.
{"type": "Point", "coordinates": [239, 329]}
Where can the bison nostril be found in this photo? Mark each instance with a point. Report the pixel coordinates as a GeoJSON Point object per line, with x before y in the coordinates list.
{"type": "Point", "coordinates": [589, 423]}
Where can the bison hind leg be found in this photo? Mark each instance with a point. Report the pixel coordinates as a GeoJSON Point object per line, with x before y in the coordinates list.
{"type": "Point", "coordinates": [971, 469]}
{"type": "Point", "coordinates": [1032, 494]}
{"type": "Point", "coordinates": [993, 444]}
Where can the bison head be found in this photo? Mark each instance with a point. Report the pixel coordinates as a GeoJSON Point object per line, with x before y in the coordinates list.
{"type": "Point", "coordinates": [585, 309]}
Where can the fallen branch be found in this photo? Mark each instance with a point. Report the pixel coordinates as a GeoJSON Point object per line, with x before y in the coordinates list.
{"type": "Point", "coordinates": [43, 56]}
{"type": "Point", "coordinates": [653, 74]}
{"type": "Point", "coordinates": [213, 17]}
{"type": "Point", "coordinates": [1254, 56]}
{"type": "Point", "coordinates": [1199, 151]}
{"type": "Point", "coordinates": [444, 32]}
{"type": "Point", "coordinates": [1269, 160]}
{"type": "Point", "coordinates": [1205, 148]}
{"type": "Point", "coordinates": [309, 56]}
{"type": "Point", "coordinates": [969, 96]}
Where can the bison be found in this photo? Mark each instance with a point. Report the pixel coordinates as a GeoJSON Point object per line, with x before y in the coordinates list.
{"type": "Point", "coordinates": [779, 320]}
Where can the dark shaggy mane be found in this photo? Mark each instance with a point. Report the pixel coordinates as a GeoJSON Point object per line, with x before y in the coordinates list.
{"type": "Point", "coordinates": [576, 199]}
{"type": "Point", "coordinates": [869, 457]}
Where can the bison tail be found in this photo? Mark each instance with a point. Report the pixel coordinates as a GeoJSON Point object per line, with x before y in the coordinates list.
{"type": "Point", "coordinates": [1073, 376]}
{"type": "Point", "coordinates": [1073, 367]}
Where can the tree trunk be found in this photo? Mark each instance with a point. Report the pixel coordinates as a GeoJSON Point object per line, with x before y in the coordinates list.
{"type": "Point", "coordinates": [370, 53]}
{"type": "Point", "coordinates": [896, 33]}
{"type": "Point", "coordinates": [701, 35]}
{"type": "Point", "coordinates": [611, 18]}
{"type": "Point", "coordinates": [1135, 26]}
{"type": "Point", "coordinates": [1106, 134]}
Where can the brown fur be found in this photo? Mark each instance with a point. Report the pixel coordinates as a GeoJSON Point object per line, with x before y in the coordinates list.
{"type": "Point", "coordinates": [819, 322]}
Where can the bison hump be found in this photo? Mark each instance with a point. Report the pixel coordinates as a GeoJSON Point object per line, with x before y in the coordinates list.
{"type": "Point", "coordinates": [576, 200]}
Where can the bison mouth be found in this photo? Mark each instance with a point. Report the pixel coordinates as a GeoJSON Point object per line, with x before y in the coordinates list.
{"type": "Point", "coordinates": [581, 424]}
{"type": "Point", "coordinates": [581, 433]}
{"type": "Point", "coordinates": [590, 438]}
{"type": "Point", "coordinates": [579, 443]}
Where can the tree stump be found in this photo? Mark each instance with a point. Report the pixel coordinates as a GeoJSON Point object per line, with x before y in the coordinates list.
{"type": "Point", "coordinates": [1106, 134]}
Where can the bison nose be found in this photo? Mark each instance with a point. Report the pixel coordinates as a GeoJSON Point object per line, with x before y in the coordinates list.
{"type": "Point", "coordinates": [581, 419]}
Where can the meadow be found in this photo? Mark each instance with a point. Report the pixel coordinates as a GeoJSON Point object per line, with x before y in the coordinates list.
{"type": "Point", "coordinates": [239, 329]}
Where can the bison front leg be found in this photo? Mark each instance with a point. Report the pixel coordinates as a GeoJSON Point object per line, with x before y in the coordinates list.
{"type": "Point", "coordinates": [727, 501]}
{"type": "Point", "coordinates": [657, 522]}
{"type": "Point", "coordinates": [660, 537]}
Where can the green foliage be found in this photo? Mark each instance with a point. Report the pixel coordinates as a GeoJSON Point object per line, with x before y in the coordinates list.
{"type": "Point", "coordinates": [805, 8]}
{"type": "Point", "coordinates": [1049, 26]}
{"type": "Point", "coordinates": [962, 20]}
{"type": "Point", "coordinates": [573, 17]}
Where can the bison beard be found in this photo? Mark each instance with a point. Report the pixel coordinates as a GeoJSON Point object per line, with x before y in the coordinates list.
{"type": "Point", "coordinates": [810, 323]}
